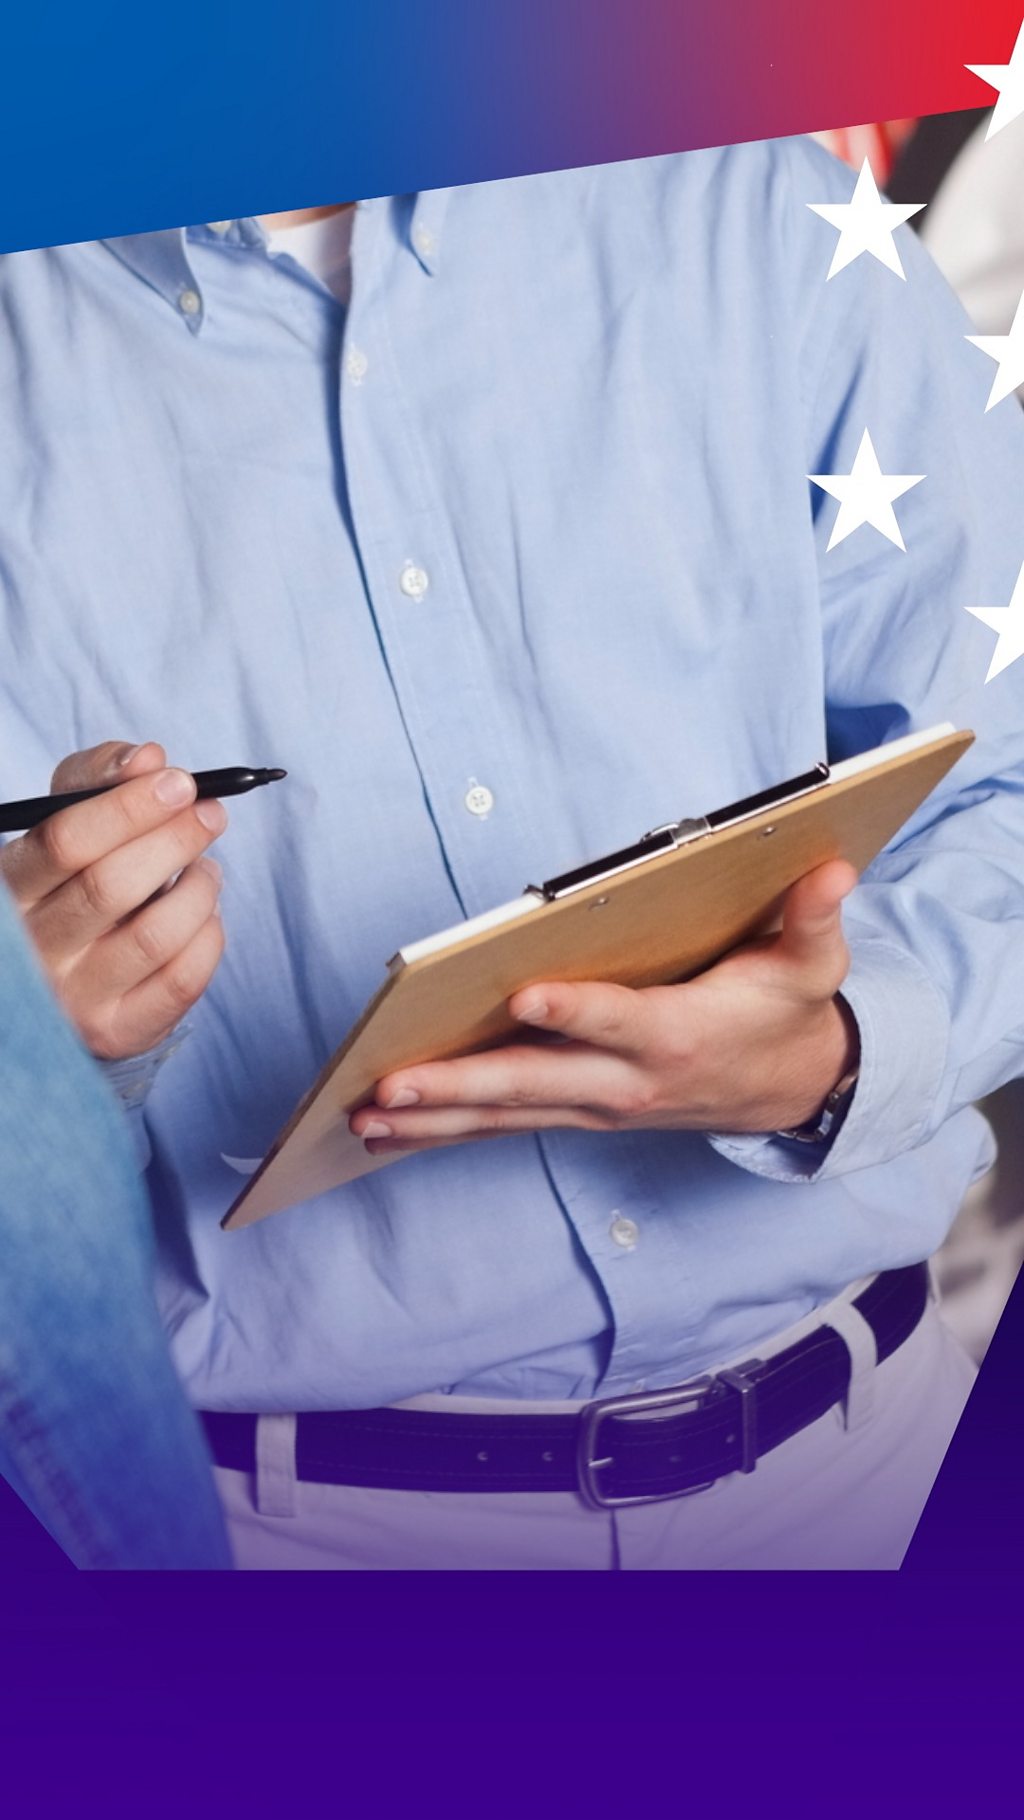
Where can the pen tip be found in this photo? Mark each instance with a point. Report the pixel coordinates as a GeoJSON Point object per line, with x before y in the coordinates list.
{"type": "Point", "coordinates": [274, 776]}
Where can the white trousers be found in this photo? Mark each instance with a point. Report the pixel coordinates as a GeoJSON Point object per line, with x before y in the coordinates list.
{"type": "Point", "coordinates": [846, 1492]}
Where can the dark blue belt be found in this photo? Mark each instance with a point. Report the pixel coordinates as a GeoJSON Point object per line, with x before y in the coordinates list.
{"type": "Point", "coordinates": [616, 1451]}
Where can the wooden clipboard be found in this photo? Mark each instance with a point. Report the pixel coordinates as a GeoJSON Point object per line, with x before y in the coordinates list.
{"type": "Point", "coordinates": [662, 919]}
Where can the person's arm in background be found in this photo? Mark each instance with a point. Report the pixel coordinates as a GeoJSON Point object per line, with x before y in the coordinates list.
{"type": "Point", "coordinates": [95, 1432]}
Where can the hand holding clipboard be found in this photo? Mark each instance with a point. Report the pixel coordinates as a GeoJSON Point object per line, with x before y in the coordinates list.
{"type": "Point", "coordinates": [658, 912]}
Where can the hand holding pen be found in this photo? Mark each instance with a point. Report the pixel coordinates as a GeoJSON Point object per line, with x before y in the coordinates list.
{"type": "Point", "coordinates": [127, 953]}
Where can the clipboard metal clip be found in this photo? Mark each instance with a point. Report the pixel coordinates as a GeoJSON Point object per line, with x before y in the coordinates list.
{"type": "Point", "coordinates": [679, 832]}
{"type": "Point", "coordinates": [670, 835]}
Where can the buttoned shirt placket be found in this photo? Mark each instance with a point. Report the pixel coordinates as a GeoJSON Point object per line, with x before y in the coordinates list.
{"type": "Point", "coordinates": [430, 636]}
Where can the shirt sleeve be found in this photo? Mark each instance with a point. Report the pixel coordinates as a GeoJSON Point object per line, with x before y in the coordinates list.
{"type": "Point", "coordinates": [936, 924]}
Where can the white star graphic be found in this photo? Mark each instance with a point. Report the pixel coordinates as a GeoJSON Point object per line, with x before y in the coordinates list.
{"type": "Point", "coordinates": [1008, 78]}
{"type": "Point", "coordinates": [865, 224]}
{"type": "Point", "coordinates": [1009, 623]}
{"type": "Point", "coordinates": [865, 495]}
{"type": "Point", "coordinates": [1008, 350]}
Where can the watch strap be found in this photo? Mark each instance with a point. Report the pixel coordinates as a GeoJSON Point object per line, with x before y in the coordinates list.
{"type": "Point", "coordinates": [831, 1114]}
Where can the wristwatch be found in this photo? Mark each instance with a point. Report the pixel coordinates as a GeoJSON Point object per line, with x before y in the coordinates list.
{"type": "Point", "coordinates": [831, 1115]}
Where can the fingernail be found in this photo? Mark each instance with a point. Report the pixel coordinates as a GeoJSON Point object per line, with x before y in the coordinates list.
{"type": "Point", "coordinates": [377, 1128]}
{"type": "Point", "coordinates": [211, 866]}
{"type": "Point", "coordinates": [533, 1012]}
{"type": "Point", "coordinates": [406, 1096]}
{"type": "Point", "coordinates": [174, 787]}
{"type": "Point", "coordinates": [213, 815]}
{"type": "Point", "coordinates": [124, 757]}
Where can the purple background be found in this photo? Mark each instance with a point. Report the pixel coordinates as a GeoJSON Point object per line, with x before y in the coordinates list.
{"type": "Point", "coordinates": [475, 1694]}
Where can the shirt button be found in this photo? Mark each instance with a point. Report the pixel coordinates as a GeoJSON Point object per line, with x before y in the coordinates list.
{"type": "Point", "coordinates": [356, 365]}
{"type": "Point", "coordinates": [624, 1232]}
{"type": "Point", "coordinates": [425, 240]}
{"type": "Point", "coordinates": [414, 581]}
{"type": "Point", "coordinates": [189, 304]}
{"type": "Point", "coordinates": [479, 800]}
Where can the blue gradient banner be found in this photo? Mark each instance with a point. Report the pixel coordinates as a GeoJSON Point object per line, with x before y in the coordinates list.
{"type": "Point", "coordinates": [119, 118]}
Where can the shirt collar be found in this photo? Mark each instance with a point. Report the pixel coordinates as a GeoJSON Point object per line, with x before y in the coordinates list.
{"type": "Point", "coordinates": [161, 259]}
{"type": "Point", "coordinates": [426, 227]}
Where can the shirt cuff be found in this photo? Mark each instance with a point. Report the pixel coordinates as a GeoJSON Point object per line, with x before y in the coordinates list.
{"type": "Point", "coordinates": [904, 1036]}
{"type": "Point", "coordinates": [132, 1077]}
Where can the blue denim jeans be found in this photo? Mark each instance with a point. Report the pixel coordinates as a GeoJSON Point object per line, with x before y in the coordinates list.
{"type": "Point", "coordinates": [95, 1431]}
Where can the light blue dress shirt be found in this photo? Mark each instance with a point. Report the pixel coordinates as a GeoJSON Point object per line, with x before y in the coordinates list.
{"type": "Point", "coordinates": [512, 560]}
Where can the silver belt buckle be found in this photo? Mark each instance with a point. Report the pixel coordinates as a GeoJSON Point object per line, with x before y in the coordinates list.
{"type": "Point", "coordinates": [681, 1398]}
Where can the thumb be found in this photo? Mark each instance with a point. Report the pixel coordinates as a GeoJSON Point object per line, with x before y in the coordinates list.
{"type": "Point", "coordinates": [113, 762]}
{"type": "Point", "coordinates": [812, 926]}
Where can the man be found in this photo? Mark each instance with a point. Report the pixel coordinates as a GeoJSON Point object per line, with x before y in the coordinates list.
{"type": "Point", "coordinates": [507, 558]}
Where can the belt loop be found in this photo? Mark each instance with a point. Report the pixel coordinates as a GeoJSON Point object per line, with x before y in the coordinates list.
{"type": "Point", "coordinates": [859, 1339]}
{"type": "Point", "coordinates": [275, 1465]}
